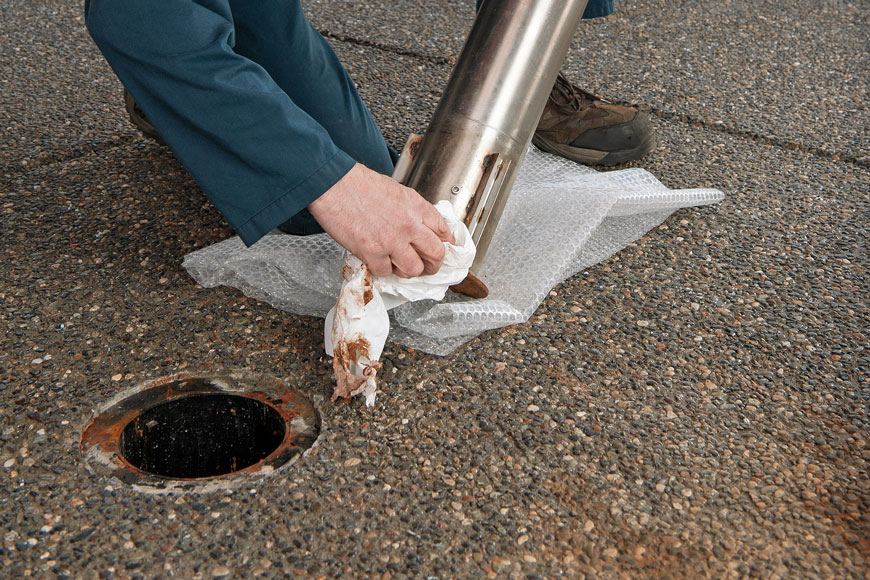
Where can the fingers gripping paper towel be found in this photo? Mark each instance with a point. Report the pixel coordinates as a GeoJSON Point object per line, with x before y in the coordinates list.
{"type": "Point", "coordinates": [357, 327]}
{"type": "Point", "coordinates": [561, 218]}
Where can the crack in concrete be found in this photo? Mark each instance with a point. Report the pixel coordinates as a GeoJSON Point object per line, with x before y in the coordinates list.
{"type": "Point", "coordinates": [818, 151]}
{"type": "Point", "coordinates": [434, 59]}
{"type": "Point", "coordinates": [717, 127]}
{"type": "Point", "coordinates": [679, 117]}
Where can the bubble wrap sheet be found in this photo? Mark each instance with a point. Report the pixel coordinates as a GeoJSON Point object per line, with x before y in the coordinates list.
{"type": "Point", "coordinates": [561, 218]}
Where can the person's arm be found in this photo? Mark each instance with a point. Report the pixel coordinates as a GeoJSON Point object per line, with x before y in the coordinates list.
{"type": "Point", "coordinates": [258, 157]}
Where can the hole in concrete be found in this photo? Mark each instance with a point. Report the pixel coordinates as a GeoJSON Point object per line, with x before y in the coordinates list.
{"type": "Point", "coordinates": [184, 433]}
{"type": "Point", "coordinates": [202, 435]}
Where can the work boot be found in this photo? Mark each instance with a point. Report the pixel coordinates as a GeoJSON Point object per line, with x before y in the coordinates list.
{"type": "Point", "coordinates": [581, 127]}
{"type": "Point", "coordinates": [138, 118]}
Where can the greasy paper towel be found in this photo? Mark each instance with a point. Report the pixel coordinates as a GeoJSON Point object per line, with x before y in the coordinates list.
{"type": "Point", "coordinates": [561, 217]}
{"type": "Point", "coordinates": [356, 328]}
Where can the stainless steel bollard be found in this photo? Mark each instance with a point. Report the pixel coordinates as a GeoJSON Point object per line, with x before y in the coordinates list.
{"type": "Point", "coordinates": [484, 123]}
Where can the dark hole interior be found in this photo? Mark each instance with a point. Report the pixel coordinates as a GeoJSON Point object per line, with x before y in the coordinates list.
{"type": "Point", "coordinates": [202, 435]}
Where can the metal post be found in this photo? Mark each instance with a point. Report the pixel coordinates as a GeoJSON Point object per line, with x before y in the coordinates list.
{"type": "Point", "coordinates": [484, 122]}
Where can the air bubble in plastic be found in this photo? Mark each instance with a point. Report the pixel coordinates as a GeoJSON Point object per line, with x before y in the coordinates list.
{"type": "Point", "coordinates": [561, 218]}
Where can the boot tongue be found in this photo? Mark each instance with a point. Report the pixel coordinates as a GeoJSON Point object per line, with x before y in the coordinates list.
{"type": "Point", "coordinates": [563, 94]}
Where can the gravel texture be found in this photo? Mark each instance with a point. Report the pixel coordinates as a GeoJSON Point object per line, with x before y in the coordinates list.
{"type": "Point", "coordinates": [695, 406]}
{"type": "Point", "coordinates": [789, 73]}
{"type": "Point", "coordinates": [58, 97]}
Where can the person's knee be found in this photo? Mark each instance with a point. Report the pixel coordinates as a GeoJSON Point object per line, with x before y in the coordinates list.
{"type": "Point", "coordinates": [159, 27]}
{"type": "Point", "coordinates": [96, 24]}
{"type": "Point", "coordinates": [117, 26]}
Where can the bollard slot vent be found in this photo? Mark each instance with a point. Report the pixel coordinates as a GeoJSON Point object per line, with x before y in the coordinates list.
{"type": "Point", "coordinates": [202, 435]}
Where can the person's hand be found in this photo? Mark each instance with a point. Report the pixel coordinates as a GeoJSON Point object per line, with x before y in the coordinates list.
{"type": "Point", "coordinates": [388, 226]}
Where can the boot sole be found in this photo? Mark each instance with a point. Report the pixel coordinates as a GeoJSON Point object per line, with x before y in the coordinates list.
{"type": "Point", "coordinates": [594, 156]}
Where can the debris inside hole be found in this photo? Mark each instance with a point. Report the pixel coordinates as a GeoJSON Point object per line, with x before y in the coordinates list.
{"type": "Point", "coordinates": [202, 435]}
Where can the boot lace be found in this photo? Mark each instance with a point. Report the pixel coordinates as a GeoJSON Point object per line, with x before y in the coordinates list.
{"type": "Point", "coordinates": [566, 94]}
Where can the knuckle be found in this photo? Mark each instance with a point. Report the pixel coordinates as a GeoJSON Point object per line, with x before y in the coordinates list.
{"type": "Point", "coordinates": [380, 270]}
{"type": "Point", "coordinates": [417, 269]}
{"type": "Point", "coordinates": [377, 249]}
{"type": "Point", "coordinates": [437, 252]}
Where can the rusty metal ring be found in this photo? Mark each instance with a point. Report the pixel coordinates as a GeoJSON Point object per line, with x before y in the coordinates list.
{"type": "Point", "coordinates": [101, 443]}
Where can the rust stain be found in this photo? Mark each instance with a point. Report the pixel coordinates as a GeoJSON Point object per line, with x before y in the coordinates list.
{"type": "Point", "coordinates": [368, 287]}
{"type": "Point", "coordinates": [415, 147]}
{"type": "Point", "coordinates": [472, 287]}
{"type": "Point", "coordinates": [349, 351]}
{"type": "Point", "coordinates": [104, 432]}
{"type": "Point", "coordinates": [345, 354]}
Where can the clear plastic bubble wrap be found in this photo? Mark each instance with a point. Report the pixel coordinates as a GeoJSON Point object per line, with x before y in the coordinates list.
{"type": "Point", "coordinates": [561, 218]}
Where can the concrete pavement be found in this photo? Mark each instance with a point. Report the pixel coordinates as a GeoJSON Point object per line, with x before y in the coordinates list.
{"type": "Point", "coordinates": [695, 406]}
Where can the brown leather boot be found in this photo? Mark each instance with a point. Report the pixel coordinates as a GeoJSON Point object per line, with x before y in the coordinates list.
{"type": "Point", "coordinates": [587, 129]}
{"type": "Point", "coordinates": [138, 118]}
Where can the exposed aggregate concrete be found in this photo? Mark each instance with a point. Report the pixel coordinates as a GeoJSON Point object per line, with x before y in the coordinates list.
{"type": "Point", "coordinates": [695, 406]}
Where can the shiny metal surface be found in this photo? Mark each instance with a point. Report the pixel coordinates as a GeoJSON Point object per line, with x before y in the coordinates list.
{"type": "Point", "coordinates": [484, 122]}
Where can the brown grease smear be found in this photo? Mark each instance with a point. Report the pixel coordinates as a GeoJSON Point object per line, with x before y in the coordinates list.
{"type": "Point", "coordinates": [347, 352]}
{"type": "Point", "coordinates": [344, 355]}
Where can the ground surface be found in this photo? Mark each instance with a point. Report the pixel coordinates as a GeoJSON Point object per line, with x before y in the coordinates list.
{"type": "Point", "coordinates": [695, 406]}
